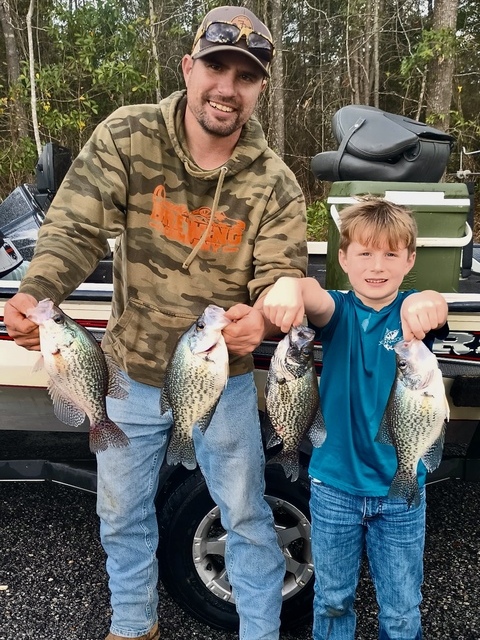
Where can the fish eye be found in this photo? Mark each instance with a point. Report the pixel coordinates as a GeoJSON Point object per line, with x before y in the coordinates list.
{"type": "Point", "coordinates": [402, 364]}
{"type": "Point", "coordinates": [58, 318]}
{"type": "Point", "coordinates": [200, 325]}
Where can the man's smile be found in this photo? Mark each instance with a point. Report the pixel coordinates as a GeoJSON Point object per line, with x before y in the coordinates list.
{"type": "Point", "coordinates": [220, 107]}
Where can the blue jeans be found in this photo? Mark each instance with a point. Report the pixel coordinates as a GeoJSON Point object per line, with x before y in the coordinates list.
{"type": "Point", "coordinates": [231, 457]}
{"type": "Point", "coordinates": [343, 525]}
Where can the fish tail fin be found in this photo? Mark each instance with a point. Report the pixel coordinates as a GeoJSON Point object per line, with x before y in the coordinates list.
{"type": "Point", "coordinates": [290, 463]}
{"type": "Point", "coordinates": [106, 434]}
{"type": "Point", "coordinates": [405, 485]}
{"type": "Point", "coordinates": [181, 450]}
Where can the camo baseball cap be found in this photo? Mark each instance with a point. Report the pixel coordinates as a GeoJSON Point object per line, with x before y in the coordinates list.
{"type": "Point", "coordinates": [226, 27]}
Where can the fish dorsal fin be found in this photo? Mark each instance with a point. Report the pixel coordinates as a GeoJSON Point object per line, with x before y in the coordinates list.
{"type": "Point", "coordinates": [384, 435]}
{"type": "Point", "coordinates": [164, 402]}
{"type": "Point", "coordinates": [65, 410]}
{"type": "Point", "coordinates": [317, 432]}
{"type": "Point", "coordinates": [205, 420]}
{"type": "Point", "coordinates": [117, 384]}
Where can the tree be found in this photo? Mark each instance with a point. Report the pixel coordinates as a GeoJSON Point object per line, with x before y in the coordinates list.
{"type": "Point", "coordinates": [19, 122]}
{"type": "Point", "coordinates": [442, 64]}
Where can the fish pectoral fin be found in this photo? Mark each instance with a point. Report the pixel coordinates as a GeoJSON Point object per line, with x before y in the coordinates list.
{"type": "Point", "coordinates": [65, 410]}
{"type": "Point", "coordinates": [433, 456]}
{"type": "Point", "coordinates": [39, 365]}
{"type": "Point", "coordinates": [117, 383]}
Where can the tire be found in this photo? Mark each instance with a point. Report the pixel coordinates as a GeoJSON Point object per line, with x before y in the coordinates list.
{"type": "Point", "coordinates": [192, 546]}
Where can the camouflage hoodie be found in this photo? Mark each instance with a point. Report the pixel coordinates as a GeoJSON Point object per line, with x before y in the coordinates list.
{"type": "Point", "coordinates": [175, 252]}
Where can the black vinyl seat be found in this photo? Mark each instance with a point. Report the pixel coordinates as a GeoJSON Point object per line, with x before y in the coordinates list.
{"type": "Point", "coordinates": [381, 146]}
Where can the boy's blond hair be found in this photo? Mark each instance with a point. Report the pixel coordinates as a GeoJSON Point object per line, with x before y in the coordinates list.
{"type": "Point", "coordinates": [375, 222]}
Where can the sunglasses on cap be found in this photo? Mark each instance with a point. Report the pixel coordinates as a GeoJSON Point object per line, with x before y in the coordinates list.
{"type": "Point", "coordinates": [229, 33]}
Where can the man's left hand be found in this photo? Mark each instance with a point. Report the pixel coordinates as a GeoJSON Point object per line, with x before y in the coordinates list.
{"type": "Point", "coordinates": [246, 331]}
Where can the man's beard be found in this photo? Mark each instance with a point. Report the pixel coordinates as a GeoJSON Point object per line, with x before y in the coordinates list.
{"type": "Point", "coordinates": [219, 129]}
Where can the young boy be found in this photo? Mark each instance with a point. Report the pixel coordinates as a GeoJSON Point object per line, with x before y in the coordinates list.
{"type": "Point", "coordinates": [351, 473]}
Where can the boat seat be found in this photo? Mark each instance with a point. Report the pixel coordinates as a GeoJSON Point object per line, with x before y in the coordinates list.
{"type": "Point", "coordinates": [381, 146]}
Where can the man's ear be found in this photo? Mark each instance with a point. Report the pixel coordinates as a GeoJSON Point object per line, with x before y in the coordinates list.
{"type": "Point", "coordinates": [187, 64]}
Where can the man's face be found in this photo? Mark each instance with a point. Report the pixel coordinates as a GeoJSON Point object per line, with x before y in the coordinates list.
{"type": "Point", "coordinates": [222, 90]}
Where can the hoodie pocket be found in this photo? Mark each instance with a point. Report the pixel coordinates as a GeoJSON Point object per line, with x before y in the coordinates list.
{"type": "Point", "coordinates": [144, 337]}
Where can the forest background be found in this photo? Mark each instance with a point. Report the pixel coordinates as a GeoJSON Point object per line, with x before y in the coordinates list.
{"type": "Point", "coordinates": [66, 64]}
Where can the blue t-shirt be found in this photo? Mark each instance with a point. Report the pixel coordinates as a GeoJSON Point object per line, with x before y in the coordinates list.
{"type": "Point", "coordinates": [357, 376]}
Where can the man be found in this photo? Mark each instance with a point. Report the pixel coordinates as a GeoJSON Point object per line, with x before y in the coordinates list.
{"type": "Point", "coordinates": [204, 213]}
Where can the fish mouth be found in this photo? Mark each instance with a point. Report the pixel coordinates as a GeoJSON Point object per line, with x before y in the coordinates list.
{"type": "Point", "coordinates": [204, 350]}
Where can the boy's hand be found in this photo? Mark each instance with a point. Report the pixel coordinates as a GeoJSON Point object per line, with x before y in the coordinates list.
{"type": "Point", "coordinates": [421, 312]}
{"type": "Point", "coordinates": [283, 305]}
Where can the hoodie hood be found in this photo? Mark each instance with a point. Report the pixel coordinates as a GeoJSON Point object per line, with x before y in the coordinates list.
{"type": "Point", "coordinates": [250, 146]}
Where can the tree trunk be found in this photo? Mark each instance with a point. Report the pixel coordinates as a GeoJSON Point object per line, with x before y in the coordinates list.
{"type": "Point", "coordinates": [277, 108]}
{"type": "Point", "coordinates": [33, 87]}
{"type": "Point", "coordinates": [441, 68]}
{"type": "Point", "coordinates": [19, 126]}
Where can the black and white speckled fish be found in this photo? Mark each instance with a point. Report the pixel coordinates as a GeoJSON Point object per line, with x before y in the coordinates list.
{"type": "Point", "coordinates": [292, 399]}
{"type": "Point", "coordinates": [80, 375]}
{"type": "Point", "coordinates": [415, 418]}
{"type": "Point", "coordinates": [195, 378]}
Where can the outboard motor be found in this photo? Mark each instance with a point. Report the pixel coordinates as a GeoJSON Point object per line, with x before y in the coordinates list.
{"type": "Point", "coordinates": [10, 257]}
{"type": "Point", "coordinates": [381, 146]}
{"type": "Point", "coordinates": [22, 212]}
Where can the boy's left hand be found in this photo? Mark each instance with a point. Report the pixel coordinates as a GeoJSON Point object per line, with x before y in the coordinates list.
{"type": "Point", "coordinates": [421, 312]}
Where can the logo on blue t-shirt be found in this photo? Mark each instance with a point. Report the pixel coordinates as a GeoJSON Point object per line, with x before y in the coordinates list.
{"type": "Point", "coordinates": [390, 338]}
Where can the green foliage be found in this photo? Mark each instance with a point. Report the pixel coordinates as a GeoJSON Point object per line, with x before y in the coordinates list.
{"type": "Point", "coordinates": [317, 221]}
{"type": "Point", "coordinates": [439, 43]}
{"type": "Point", "coordinates": [17, 163]}
{"type": "Point", "coordinates": [94, 65]}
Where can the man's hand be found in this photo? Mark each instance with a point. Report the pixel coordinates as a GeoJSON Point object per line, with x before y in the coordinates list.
{"type": "Point", "coordinates": [421, 312]}
{"type": "Point", "coordinates": [246, 331]}
{"type": "Point", "coordinates": [19, 327]}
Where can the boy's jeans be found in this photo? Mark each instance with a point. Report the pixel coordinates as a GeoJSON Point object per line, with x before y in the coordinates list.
{"type": "Point", "coordinates": [232, 460]}
{"type": "Point", "coordinates": [393, 536]}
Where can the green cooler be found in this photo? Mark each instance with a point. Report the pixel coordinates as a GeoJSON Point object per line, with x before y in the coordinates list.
{"type": "Point", "coordinates": [440, 210]}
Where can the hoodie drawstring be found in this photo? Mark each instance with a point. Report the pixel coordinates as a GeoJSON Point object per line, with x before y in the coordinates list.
{"type": "Point", "coordinates": [197, 247]}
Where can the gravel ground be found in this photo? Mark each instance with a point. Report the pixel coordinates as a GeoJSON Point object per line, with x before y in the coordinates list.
{"type": "Point", "coordinates": [53, 582]}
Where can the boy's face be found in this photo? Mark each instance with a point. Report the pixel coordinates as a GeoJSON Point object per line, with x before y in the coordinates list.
{"type": "Point", "coordinates": [375, 273]}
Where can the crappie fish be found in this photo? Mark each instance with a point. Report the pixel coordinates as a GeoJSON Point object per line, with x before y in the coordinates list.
{"type": "Point", "coordinates": [415, 417]}
{"type": "Point", "coordinates": [195, 378]}
{"type": "Point", "coordinates": [292, 399]}
{"type": "Point", "coordinates": [80, 375]}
